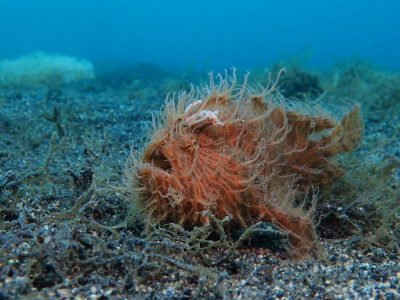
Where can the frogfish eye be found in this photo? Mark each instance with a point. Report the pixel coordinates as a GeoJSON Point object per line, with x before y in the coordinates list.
{"type": "Point", "coordinates": [195, 143]}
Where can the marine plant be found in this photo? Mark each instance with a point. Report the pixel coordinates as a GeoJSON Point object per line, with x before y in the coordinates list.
{"type": "Point", "coordinates": [39, 69]}
{"type": "Point", "coordinates": [244, 152]}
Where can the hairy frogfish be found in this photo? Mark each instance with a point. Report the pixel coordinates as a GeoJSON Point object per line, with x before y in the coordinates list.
{"type": "Point", "coordinates": [242, 151]}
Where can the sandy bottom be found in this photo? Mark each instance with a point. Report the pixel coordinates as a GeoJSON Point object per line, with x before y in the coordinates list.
{"type": "Point", "coordinates": [62, 216]}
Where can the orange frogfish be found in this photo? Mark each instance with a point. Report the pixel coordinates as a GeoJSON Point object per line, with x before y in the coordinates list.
{"type": "Point", "coordinates": [241, 151]}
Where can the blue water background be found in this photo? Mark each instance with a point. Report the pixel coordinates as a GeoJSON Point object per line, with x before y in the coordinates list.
{"type": "Point", "coordinates": [208, 34]}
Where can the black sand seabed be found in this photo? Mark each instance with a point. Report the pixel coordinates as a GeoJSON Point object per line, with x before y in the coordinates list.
{"type": "Point", "coordinates": [62, 152]}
